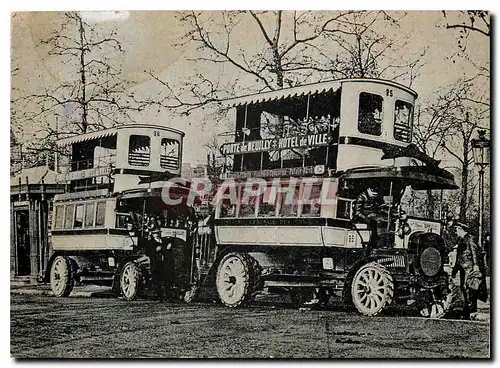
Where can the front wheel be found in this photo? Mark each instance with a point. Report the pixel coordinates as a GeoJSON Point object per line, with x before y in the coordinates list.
{"type": "Point", "coordinates": [130, 280]}
{"type": "Point", "coordinates": [237, 278]}
{"type": "Point", "coordinates": [61, 276]}
{"type": "Point", "coordinates": [372, 289]}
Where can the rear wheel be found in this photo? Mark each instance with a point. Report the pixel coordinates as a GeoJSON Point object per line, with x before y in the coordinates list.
{"type": "Point", "coordinates": [372, 289]}
{"type": "Point", "coordinates": [130, 280]}
{"type": "Point", "coordinates": [237, 279]}
{"type": "Point", "coordinates": [61, 276]}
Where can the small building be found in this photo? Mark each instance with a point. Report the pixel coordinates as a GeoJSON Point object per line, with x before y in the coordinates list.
{"type": "Point", "coordinates": [31, 194]}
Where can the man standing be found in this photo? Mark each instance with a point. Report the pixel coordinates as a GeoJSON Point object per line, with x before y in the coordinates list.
{"type": "Point", "coordinates": [470, 267]}
{"type": "Point", "coordinates": [487, 252]}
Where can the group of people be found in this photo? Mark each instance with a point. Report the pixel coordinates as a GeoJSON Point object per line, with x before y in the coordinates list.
{"type": "Point", "coordinates": [166, 254]}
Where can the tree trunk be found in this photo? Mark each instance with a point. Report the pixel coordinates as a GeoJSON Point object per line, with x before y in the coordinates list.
{"type": "Point", "coordinates": [430, 204]}
{"type": "Point", "coordinates": [465, 180]}
{"type": "Point", "coordinates": [83, 77]}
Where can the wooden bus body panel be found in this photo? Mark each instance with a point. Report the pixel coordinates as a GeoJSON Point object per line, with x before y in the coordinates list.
{"type": "Point", "coordinates": [357, 149]}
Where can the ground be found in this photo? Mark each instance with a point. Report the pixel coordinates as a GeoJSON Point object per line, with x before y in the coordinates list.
{"type": "Point", "coordinates": [48, 327]}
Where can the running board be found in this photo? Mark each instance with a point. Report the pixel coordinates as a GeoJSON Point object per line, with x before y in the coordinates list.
{"type": "Point", "coordinates": [331, 284]}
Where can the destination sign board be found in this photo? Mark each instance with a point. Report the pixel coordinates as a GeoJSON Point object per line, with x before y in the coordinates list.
{"type": "Point", "coordinates": [84, 174]}
{"type": "Point", "coordinates": [272, 144]}
{"type": "Point", "coordinates": [272, 173]}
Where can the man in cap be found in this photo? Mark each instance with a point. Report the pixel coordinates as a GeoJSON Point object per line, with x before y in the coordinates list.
{"type": "Point", "coordinates": [160, 256]}
{"type": "Point", "coordinates": [470, 267]}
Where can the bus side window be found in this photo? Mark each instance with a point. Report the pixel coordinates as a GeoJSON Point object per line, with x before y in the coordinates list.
{"type": "Point", "coordinates": [78, 223]}
{"type": "Point", "coordinates": [344, 208]}
{"type": "Point", "coordinates": [227, 209]}
{"type": "Point", "coordinates": [370, 113]}
{"type": "Point", "coordinates": [403, 120]}
{"type": "Point", "coordinates": [59, 217]}
{"type": "Point", "coordinates": [89, 214]}
{"type": "Point", "coordinates": [248, 202]}
{"type": "Point", "coordinates": [100, 213]}
{"type": "Point", "coordinates": [289, 204]}
{"type": "Point", "coordinates": [139, 153]}
{"type": "Point", "coordinates": [267, 202]}
{"type": "Point", "coordinates": [123, 219]}
{"type": "Point", "coordinates": [69, 211]}
{"type": "Point", "coordinates": [169, 154]}
{"type": "Point", "coordinates": [312, 207]}
{"type": "Point", "coordinates": [227, 206]}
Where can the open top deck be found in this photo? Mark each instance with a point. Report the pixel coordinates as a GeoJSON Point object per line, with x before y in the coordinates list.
{"type": "Point", "coordinates": [116, 158]}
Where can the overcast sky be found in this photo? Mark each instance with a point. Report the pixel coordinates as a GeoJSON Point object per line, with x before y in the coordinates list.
{"type": "Point", "coordinates": [148, 38]}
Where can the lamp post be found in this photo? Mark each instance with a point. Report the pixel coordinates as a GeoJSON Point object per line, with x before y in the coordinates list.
{"type": "Point", "coordinates": [481, 149]}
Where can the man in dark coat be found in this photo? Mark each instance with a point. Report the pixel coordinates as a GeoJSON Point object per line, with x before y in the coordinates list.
{"type": "Point", "coordinates": [470, 266]}
{"type": "Point", "coordinates": [487, 252]}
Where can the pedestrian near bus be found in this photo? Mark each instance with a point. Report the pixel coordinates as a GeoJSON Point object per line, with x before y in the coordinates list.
{"type": "Point", "coordinates": [470, 267]}
{"type": "Point", "coordinates": [487, 251]}
{"type": "Point", "coordinates": [161, 258]}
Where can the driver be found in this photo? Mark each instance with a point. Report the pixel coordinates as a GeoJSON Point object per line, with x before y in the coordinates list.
{"type": "Point", "coordinates": [368, 210]}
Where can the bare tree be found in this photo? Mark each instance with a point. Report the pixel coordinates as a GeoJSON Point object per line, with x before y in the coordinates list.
{"type": "Point", "coordinates": [16, 131]}
{"type": "Point", "coordinates": [290, 48]}
{"type": "Point", "coordinates": [469, 23]}
{"type": "Point", "coordinates": [444, 128]}
{"type": "Point", "coordinates": [368, 52]}
{"type": "Point", "coordinates": [477, 21]}
{"type": "Point", "coordinates": [465, 117]}
{"type": "Point", "coordinates": [432, 125]}
{"type": "Point", "coordinates": [94, 96]}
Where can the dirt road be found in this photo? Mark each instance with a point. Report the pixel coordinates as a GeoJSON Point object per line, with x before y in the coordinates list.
{"type": "Point", "coordinates": [43, 326]}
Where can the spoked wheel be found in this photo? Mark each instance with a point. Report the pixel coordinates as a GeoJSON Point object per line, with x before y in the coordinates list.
{"type": "Point", "coordinates": [130, 280]}
{"type": "Point", "coordinates": [372, 289]}
{"type": "Point", "coordinates": [237, 277]}
{"type": "Point", "coordinates": [61, 276]}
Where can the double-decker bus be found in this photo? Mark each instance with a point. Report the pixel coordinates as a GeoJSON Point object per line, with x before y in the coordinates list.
{"type": "Point", "coordinates": [115, 178]}
{"type": "Point", "coordinates": [313, 151]}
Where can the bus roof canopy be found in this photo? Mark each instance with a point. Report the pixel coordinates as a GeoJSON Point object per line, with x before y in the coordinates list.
{"type": "Point", "coordinates": [87, 137]}
{"type": "Point", "coordinates": [419, 177]}
{"type": "Point", "coordinates": [305, 90]}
